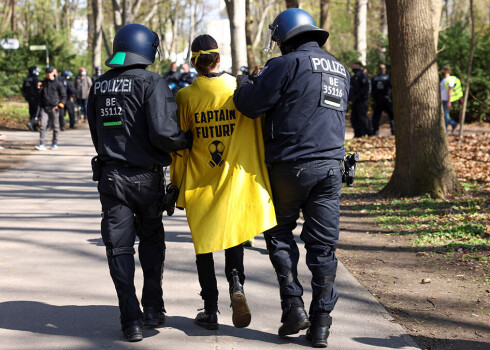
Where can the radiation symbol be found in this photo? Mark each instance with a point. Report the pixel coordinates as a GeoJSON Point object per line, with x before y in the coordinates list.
{"type": "Point", "coordinates": [216, 148]}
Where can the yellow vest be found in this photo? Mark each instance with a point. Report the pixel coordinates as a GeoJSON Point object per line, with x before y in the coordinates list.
{"type": "Point", "coordinates": [223, 180]}
{"type": "Point", "coordinates": [457, 90]}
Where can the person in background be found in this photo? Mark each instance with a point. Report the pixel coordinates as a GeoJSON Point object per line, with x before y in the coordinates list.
{"type": "Point", "coordinates": [31, 94]}
{"type": "Point", "coordinates": [359, 95]}
{"type": "Point", "coordinates": [82, 85]}
{"type": "Point", "coordinates": [304, 95]}
{"type": "Point", "coordinates": [223, 181]}
{"type": "Point", "coordinates": [172, 77]}
{"type": "Point", "coordinates": [97, 73]}
{"type": "Point", "coordinates": [381, 92]}
{"type": "Point", "coordinates": [451, 91]}
{"type": "Point", "coordinates": [53, 97]}
{"type": "Point", "coordinates": [70, 93]}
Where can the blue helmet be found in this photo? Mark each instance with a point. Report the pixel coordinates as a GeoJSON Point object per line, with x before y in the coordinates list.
{"type": "Point", "coordinates": [133, 44]}
{"type": "Point", "coordinates": [66, 73]}
{"type": "Point", "coordinates": [293, 22]}
{"type": "Point", "coordinates": [34, 70]}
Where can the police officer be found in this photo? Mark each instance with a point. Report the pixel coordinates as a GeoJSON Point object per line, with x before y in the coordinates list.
{"type": "Point", "coordinates": [186, 77]}
{"type": "Point", "coordinates": [359, 94]}
{"type": "Point", "coordinates": [31, 94]}
{"type": "Point", "coordinates": [172, 77]}
{"type": "Point", "coordinates": [381, 92]}
{"type": "Point", "coordinates": [98, 73]}
{"type": "Point", "coordinates": [304, 95]}
{"type": "Point", "coordinates": [69, 105]}
{"type": "Point", "coordinates": [131, 114]}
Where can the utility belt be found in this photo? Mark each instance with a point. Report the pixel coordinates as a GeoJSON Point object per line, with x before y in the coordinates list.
{"type": "Point", "coordinates": [97, 164]}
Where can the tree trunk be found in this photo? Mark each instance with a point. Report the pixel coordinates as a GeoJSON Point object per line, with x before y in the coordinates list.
{"type": "Point", "coordinates": [250, 29]}
{"type": "Point", "coordinates": [236, 14]}
{"type": "Point", "coordinates": [468, 74]}
{"type": "Point", "coordinates": [127, 12]}
{"type": "Point", "coordinates": [192, 29]}
{"type": "Point", "coordinates": [292, 3]}
{"type": "Point", "coordinates": [361, 29]}
{"type": "Point", "coordinates": [383, 21]}
{"type": "Point", "coordinates": [423, 163]}
{"type": "Point", "coordinates": [13, 19]}
{"type": "Point", "coordinates": [436, 18]}
{"type": "Point", "coordinates": [325, 19]}
{"type": "Point", "coordinates": [116, 10]}
{"type": "Point", "coordinates": [98, 12]}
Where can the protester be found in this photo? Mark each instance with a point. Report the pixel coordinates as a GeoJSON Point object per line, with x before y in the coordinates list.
{"type": "Point", "coordinates": [53, 97]}
{"type": "Point", "coordinates": [303, 94]}
{"type": "Point", "coordinates": [133, 128]}
{"type": "Point", "coordinates": [223, 182]}
{"type": "Point", "coordinates": [82, 85]}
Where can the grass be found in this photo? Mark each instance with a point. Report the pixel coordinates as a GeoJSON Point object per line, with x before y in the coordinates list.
{"type": "Point", "coordinates": [458, 223]}
{"type": "Point", "coordinates": [13, 114]}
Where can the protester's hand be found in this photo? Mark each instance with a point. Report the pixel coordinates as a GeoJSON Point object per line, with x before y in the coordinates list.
{"type": "Point", "coordinates": [188, 137]}
{"type": "Point", "coordinates": [448, 104]}
{"type": "Point", "coordinates": [243, 79]}
{"type": "Point", "coordinates": [56, 108]}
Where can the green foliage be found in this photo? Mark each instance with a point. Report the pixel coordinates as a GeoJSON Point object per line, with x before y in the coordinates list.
{"type": "Point", "coordinates": [454, 44]}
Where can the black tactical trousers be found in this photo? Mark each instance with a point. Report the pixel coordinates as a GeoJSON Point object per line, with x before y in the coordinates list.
{"type": "Point", "coordinates": [129, 199]}
{"type": "Point", "coordinates": [380, 106]}
{"type": "Point", "coordinates": [359, 119]}
{"type": "Point", "coordinates": [207, 276]}
{"type": "Point", "coordinates": [34, 110]}
{"type": "Point", "coordinates": [314, 187]}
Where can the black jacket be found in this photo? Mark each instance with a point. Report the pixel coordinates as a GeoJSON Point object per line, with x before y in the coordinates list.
{"type": "Point", "coordinates": [131, 114]}
{"type": "Point", "coordinates": [70, 90]}
{"type": "Point", "coordinates": [304, 97]}
{"type": "Point", "coordinates": [381, 87]}
{"type": "Point", "coordinates": [52, 93]}
{"type": "Point", "coordinates": [359, 87]}
{"type": "Point", "coordinates": [29, 88]}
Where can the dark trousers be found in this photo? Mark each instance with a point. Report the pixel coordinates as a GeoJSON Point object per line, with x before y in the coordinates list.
{"type": "Point", "coordinates": [34, 110]}
{"type": "Point", "coordinates": [70, 108]}
{"type": "Point", "coordinates": [207, 276]}
{"type": "Point", "coordinates": [313, 186]}
{"type": "Point", "coordinates": [359, 119]}
{"type": "Point", "coordinates": [129, 198]}
{"type": "Point", "coordinates": [82, 105]}
{"type": "Point", "coordinates": [380, 106]}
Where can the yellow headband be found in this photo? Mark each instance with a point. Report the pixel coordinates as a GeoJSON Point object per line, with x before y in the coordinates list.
{"type": "Point", "coordinates": [202, 52]}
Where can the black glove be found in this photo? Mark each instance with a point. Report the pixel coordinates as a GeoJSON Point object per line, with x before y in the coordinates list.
{"type": "Point", "coordinates": [243, 79]}
{"type": "Point", "coordinates": [188, 137]}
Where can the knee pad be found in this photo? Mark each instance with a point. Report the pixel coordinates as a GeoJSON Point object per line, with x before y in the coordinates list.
{"type": "Point", "coordinates": [119, 251]}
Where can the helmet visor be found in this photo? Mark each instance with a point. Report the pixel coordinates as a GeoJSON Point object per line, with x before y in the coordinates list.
{"type": "Point", "coordinates": [269, 43]}
{"type": "Point", "coordinates": [158, 50]}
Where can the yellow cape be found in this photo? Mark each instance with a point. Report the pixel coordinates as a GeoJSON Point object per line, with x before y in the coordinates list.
{"type": "Point", "coordinates": [223, 180]}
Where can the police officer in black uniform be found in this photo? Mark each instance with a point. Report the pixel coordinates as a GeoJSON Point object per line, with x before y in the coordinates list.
{"type": "Point", "coordinates": [381, 92]}
{"type": "Point", "coordinates": [304, 95]}
{"type": "Point", "coordinates": [31, 94]}
{"type": "Point", "coordinates": [359, 95]}
{"type": "Point", "coordinates": [69, 105]}
{"type": "Point", "coordinates": [98, 73]}
{"type": "Point", "coordinates": [132, 119]}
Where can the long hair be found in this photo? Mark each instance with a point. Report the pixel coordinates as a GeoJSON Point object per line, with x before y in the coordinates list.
{"type": "Point", "coordinates": [206, 62]}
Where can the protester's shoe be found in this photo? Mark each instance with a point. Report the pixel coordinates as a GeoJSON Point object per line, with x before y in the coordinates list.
{"type": "Point", "coordinates": [318, 335]}
{"type": "Point", "coordinates": [453, 127]}
{"type": "Point", "coordinates": [207, 320]}
{"type": "Point", "coordinates": [152, 317]}
{"type": "Point", "coordinates": [249, 243]}
{"type": "Point", "coordinates": [40, 147]}
{"type": "Point", "coordinates": [62, 128]}
{"type": "Point", "coordinates": [241, 313]}
{"type": "Point", "coordinates": [294, 319]}
{"type": "Point", "coordinates": [132, 331]}
{"type": "Point", "coordinates": [54, 146]}
{"type": "Point", "coordinates": [30, 126]}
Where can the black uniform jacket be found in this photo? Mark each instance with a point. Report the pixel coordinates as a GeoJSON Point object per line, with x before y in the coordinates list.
{"type": "Point", "coordinates": [381, 87]}
{"type": "Point", "coordinates": [304, 97]}
{"type": "Point", "coordinates": [29, 88]}
{"type": "Point", "coordinates": [131, 114]}
{"type": "Point", "coordinates": [52, 93]}
{"type": "Point", "coordinates": [70, 90]}
{"type": "Point", "coordinates": [359, 89]}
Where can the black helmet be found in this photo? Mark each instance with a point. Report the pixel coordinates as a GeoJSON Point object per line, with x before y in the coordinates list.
{"type": "Point", "coordinates": [98, 69]}
{"type": "Point", "coordinates": [34, 70]}
{"type": "Point", "coordinates": [133, 44]}
{"type": "Point", "coordinates": [66, 73]}
{"type": "Point", "coordinates": [293, 22]}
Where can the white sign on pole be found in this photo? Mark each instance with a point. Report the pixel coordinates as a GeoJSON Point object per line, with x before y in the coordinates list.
{"type": "Point", "coordinates": [37, 47]}
{"type": "Point", "coordinates": [9, 43]}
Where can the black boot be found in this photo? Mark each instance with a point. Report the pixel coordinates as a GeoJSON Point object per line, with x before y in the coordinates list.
{"type": "Point", "coordinates": [241, 313]}
{"type": "Point", "coordinates": [319, 330]}
{"type": "Point", "coordinates": [207, 320]}
{"type": "Point", "coordinates": [152, 316]}
{"type": "Point", "coordinates": [294, 319]}
{"type": "Point", "coordinates": [132, 331]}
